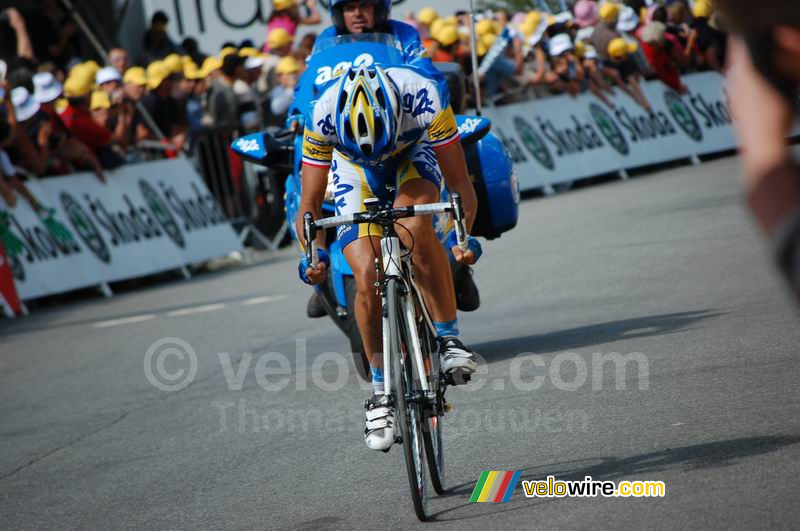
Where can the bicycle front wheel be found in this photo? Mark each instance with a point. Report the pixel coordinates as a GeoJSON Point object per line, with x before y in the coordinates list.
{"type": "Point", "coordinates": [407, 399]}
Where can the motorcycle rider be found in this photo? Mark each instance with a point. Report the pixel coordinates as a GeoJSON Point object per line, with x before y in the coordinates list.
{"type": "Point", "coordinates": [375, 127]}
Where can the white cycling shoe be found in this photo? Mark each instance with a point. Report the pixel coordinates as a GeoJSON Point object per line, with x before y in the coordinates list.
{"type": "Point", "coordinates": [455, 357]}
{"type": "Point", "coordinates": [379, 429]}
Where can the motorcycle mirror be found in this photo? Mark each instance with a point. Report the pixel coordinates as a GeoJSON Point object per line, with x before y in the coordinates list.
{"type": "Point", "coordinates": [252, 147]}
{"type": "Point", "coordinates": [472, 128]}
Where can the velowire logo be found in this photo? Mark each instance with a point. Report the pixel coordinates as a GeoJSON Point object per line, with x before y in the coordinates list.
{"type": "Point", "coordinates": [85, 227]}
{"type": "Point", "coordinates": [162, 213]}
{"type": "Point", "coordinates": [609, 128]}
{"type": "Point", "coordinates": [534, 143]}
{"type": "Point", "coordinates": [683, 115]}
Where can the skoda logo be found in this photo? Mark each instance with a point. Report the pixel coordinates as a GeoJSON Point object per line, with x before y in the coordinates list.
{"type": "Point", "coordinates": [85, 227]}
{"type": "Point", "coordinates": [683, 115]}
{"type": "Point", "coordinates": [162, 214]}
{"type": "Point", "coordinates": [609, 128]}
{"type": "Point", "coordinates": [534, 143]}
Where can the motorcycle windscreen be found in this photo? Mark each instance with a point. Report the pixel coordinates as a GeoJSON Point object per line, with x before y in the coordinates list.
{"type": "Point", "coordinates": [334, 55]}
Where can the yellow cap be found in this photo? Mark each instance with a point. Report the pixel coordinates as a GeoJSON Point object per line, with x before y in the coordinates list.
{"type": "Point", "coordinates": [435, 27]}
{"type": "Point", "coordinates": [481, 49]}
{"type": "Point", "coordinates": [100, 100]}
{"type": "Point", "coordinates": [619, 48]}
{"type": "Point", "coordinates": [209, 65]}
{"type": "Point", "coordinates": [580, 49]}
{"type": "Point", "coordinates": [77, 86]}
{"type": "Point", "coordinates": [157, 72]}
{"type": "Point", "coordinates": [702, 8]}
{"type": "Point", "coordinates": [287, 65]}
{"type": "Point", "coordinates": [191, 71]}
{"type": "Point", "coordinates": [487, 39]}
{"type": "Point", "coordinates": [609, 11]}
{"type": "Point", "coordinates": [174, 63]}
{"type": "Point", "coordinates": [447, 35]}
{"type": "Point", "coordinates": [249, 52]}
{"type": "Point", "coordinates": [282, 4]}
{"type": "Point", "coordinates": [228, 50]}
{"type": "Point", "coordinates": [61, 105]}
{"type": "Point", "coordinates": [186, 59]}
{"type": "Point", "coordinates": [485, 26]}
{"type": "Point", "coordinates": [533, 18]}
{"type": "Point", "coordinates": [427, 15]}
{"type": "Point", "coordinates": [278, 38]}
{"type": "Point", "coordinates": [82, 70]}
{"type": "Point", "coordinates": [135, 75]}
{"type": "Point", "coordinates": [92, 66]}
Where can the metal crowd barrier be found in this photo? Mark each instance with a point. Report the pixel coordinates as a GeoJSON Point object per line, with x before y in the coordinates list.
{"type": "Point", "coordinates": [230, 180]}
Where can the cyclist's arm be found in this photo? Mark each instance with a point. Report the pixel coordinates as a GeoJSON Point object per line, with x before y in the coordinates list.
{"type": "Point", "coordinates": [317, 156]}
{"type": "Point", "coordinates": [445, 139]}
{"type": "Point", "coordinates": [314, 179]}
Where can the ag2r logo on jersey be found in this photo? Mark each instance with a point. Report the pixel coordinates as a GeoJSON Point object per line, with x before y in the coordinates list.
{"type": "Point", "coordinates": [609, 128]}
{"type": "Point", "coordinates": [683, 115]}
{"type": "Point", "coordinates": [534, 143]}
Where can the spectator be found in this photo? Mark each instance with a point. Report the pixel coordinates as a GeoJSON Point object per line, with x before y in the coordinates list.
{"type": "Point", "coordinates": [585, 17]}
{"type": "Point", "coordinates": [565, 65]}
{"type": "Point", "coordinates": [78, 120]}
{"type": "Point", "coordinates": [195, 88]}
{"type": "Point", "coordinates": [281, 95]}
{"type": "Point", "coordinates": [424, 19]}
{"type": "Point", "coordinates": [100, 107]}
{"type": "Point", "coordinates": [624, 70]}
{"type": "Point", "coordinates": [42, 142]}
{"type": "Point", "coordinates": [710, 44]}
{"type": "Point", "coordinates": [605, 30]}
{"type": "Point", "coordinates": [46, 88]}
{"type": "Point", "coordinates": [279, 42]}
{"type": "Point", "coordinates": [589, 59]}
{"type": "Point", "coordinates": [192, 49]}
{"type": "Point", "coordinates": [165, 110]}
{"type": "Point", "coordinates": [157, 43]}
{"type": "Point", "coordinates": [659, 56]}
{"type": "Point", "coordinates": [627, 24]}
{"type": "Point", "coordinates": [119, 59]}
{"type": "Point", "coordinates": [17, 42]}
{"type": "Point", "coordinates": [10, 182]}
{"type": "Point", "coordinates": [223, 104]}
{"type": "Point", "coordinates": [211, 68]}
{"type": "Point", "coordinates": [109, 80]}
{"type": "Point", "coordinates": [250, 115]}
{"type": "Point", "coordinates": [286, 15]}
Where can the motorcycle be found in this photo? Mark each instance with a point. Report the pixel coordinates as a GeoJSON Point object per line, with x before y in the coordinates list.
{"type": "Point", "coordinates": [490, 169]}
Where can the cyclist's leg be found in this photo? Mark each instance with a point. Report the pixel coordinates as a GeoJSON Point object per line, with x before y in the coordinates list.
{"type": "Point", "coordinates": [352, 186]}
{"type": "Point", "coordinates": [420, 181]}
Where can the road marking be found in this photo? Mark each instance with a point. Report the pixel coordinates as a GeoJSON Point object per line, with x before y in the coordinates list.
{"type": "Point", "coordinates": [262, 300]}
{"type": "Point", "coordinates": [124, 320]}
{"type": "Point", "coordinates": [196, 309]}
{"type": "Point", "coordinates": [679, 424]}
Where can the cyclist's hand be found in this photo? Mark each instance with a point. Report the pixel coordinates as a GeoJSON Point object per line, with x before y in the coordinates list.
{"type": "Point", "coordinates": [313, 276]}
{"type": "Point", "coordinates": [468, 257]}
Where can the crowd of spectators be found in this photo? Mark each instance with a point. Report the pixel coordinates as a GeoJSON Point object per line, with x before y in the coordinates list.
{"type": "Point", "coordinates": [596, 46]}
{"type": "Point", "coordinates": [61, 112]}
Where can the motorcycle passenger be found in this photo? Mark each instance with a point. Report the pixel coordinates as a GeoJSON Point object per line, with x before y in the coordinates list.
{"type": "Point", "coordinates": [392, 126]}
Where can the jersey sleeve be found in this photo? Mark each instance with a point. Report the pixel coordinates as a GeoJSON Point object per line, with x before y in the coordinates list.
{"type": "Point", "coordinates": [443, 129]}
{"type": "Point", "coordinates": [319, 136]}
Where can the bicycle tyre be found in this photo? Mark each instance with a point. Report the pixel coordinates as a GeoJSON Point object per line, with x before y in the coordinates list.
{"type": "Point", "coordinates": [409, 413]}
{"type": "Point", "coordinates": [432, 423]}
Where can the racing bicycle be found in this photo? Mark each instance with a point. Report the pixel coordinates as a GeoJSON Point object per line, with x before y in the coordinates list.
{"type": "Point", "coordinates": [414, 383]}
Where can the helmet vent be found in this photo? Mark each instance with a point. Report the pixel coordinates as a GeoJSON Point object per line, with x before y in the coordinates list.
{"type": "Point", "coordinates": [348, 130]}
{"type": "Point", "coordinates": [381, 100]}
{"type": "Point", "coordinates": [362, 126]}
{"type": "Point", "coordinates": [342, 100]}
{"type": "Point", "coordinates": [367, 150]}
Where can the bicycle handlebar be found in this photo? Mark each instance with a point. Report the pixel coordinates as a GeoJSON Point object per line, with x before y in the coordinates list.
{"type": "Point", "coordinates": [384, 216]}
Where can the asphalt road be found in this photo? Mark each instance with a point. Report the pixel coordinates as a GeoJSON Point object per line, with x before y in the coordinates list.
{"type": "Point", "coordinates": [667, 265]}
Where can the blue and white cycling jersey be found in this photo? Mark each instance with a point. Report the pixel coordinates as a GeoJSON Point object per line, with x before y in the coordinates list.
{"type": "Point", "coordinates": [427, 117]}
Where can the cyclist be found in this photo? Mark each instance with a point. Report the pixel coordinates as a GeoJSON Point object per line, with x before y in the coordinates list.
{"type": "Point", "coordinates": [372, 128]}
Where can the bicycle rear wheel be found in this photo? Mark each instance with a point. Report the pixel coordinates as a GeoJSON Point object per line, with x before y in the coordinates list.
{"type": "Point", "coordinates": [407, 400]}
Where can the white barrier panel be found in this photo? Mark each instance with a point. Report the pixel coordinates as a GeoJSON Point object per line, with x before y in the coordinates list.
{"type": "Point", "coordinates": [147, 218]}
{"type": "Point", "coordinates": [563, 139]}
